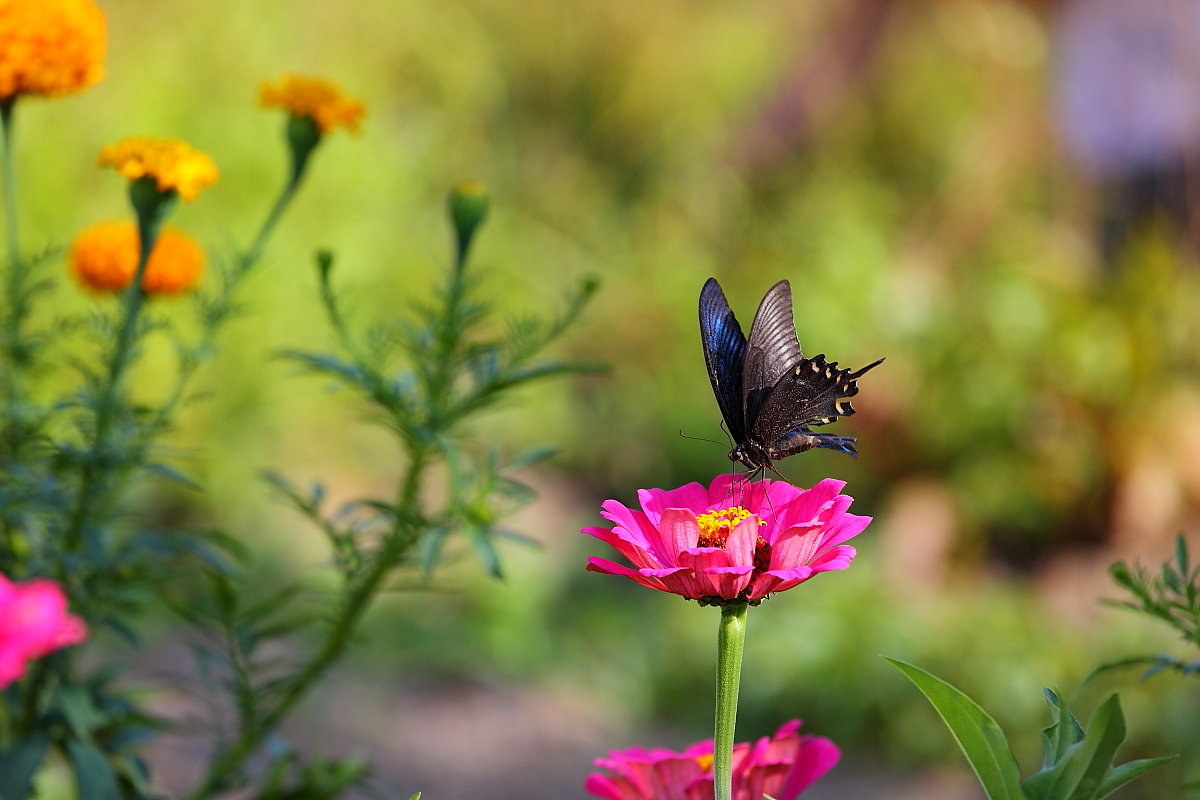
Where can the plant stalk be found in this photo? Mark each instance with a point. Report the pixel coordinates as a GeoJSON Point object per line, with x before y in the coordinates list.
{"type": "Point", "coordinates": [106, 409]}
{"type": "Point", "coordinates": [731, 637]}
{"type": "Point", "coordinates": [10, 183]}
{"type": "Point", "coordinates": [13, 278]}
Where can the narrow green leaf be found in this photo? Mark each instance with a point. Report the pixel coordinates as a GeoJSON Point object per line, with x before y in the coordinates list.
{"type": "Point", "coordinates": [173, 475]}
{"type": "Point", "coordinates": [485, 550]}
{"type": "Point", "coordinates": [1119, 776]}
{"type": "Point", "coordinates": [1079, 774]}
{"type": "Point", "coordinates": [977, 734]}
{"type": "Point", "coordinates": [1063, 731]}
{"type": "Point", "coordinates": [429, 548]}
{"type": "Point", "coordinates": [20, 763]}
{"type": "Point", "coordinates": [93, 774]}
{"type": "Point", "coordinates": [81, 713]}
{"type": "Point", "coordinates": [533, 457]}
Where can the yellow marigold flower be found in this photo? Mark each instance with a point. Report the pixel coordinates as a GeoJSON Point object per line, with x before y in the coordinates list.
{"type": "Point", "coordinates": [104, 258]}
{"type": "Point", "coordinates": [318, 99]}
{"type": "Point", "coordinates": [50, 47]}
{"type": "Point", "coordinates": [172, 163]}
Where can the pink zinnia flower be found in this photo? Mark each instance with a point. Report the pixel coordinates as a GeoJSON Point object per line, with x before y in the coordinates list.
{"type": "Point", "coordinates": [33, 623]}
{"type": "Point", "coordinates": [781, 766]}
{"type": "Point", "coordinates": [732, 541]}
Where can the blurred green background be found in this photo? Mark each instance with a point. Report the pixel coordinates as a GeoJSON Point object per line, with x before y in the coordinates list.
{"type": "Point", "coordinates": [1037, 416]}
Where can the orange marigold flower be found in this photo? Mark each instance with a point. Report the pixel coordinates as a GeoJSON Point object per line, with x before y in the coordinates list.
{"type": "Point", "coordinates": [318, 99]}
{"type": "Point", "coordinates": [50, 47]}
{"type": "Point", "coordinates": [171, 162]}
{"type": "Point", "coordinates": [104, 258]}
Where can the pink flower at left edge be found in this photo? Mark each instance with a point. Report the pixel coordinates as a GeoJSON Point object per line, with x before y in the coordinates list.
{"type": "Point", "coordinates": [733, 540]}
{"type": "Point", "coordinates": [33, 623]}
{"type": "Point", "coordinates": [781, 766]}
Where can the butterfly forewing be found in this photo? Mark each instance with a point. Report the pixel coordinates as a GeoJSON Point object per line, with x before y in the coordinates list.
{"type": "Point", "coordinates": [772, 350]}
{"type": "Point", "coordinates": [724, 352]}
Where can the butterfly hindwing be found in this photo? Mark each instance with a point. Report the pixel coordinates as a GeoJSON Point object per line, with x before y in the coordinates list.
{"type": "Point", "coordinates": [724, 352]}
{"type": "Point", "coordinates": [802, 439]}
{"type": "Point", "coordinates": [814, 392]}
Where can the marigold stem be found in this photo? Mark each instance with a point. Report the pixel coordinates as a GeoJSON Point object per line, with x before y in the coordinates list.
{"type": "Point", "coordinates": [13, 278]}
{"type": "Point", "coordinates": [252, 255]}
{"type": "Point", "coordinates": [94, 467]}
{"type": "Point", "coordinates": [731, 637]}
{"type": "Point", "coordinates": [10, 183]}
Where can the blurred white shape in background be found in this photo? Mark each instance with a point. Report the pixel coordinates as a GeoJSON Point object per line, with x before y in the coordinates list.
{"type": "Point", "coordinates": [1127, 91]}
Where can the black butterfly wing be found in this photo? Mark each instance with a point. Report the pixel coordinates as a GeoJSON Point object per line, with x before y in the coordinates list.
{"type": "Point", "coordinates": [802, 439]}
{"type": "Point", "coordinates": [814, 392]}
{"type": "Point", "coordinates": [771, 353]}
{"type": "Point", "coordinates": [724, 350]}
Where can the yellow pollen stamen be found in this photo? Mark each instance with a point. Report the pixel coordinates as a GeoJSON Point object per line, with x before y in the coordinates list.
{"type": "Point", "coordinates": [705, 761]}
{"type": "Point", "coordinates": [716, 525]}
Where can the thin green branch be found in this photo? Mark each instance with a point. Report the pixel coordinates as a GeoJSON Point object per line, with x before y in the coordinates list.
{"type": "Point", "coordinates": [96, 464]}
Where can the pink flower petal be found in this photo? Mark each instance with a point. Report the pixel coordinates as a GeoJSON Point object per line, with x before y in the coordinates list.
{"type": "Point", "coordinates": [678, 531]}
{"type": "Point", "coordinates": [795, 547]}
{"type": "Point", "coordinates": [655, 501]}
{"type": "Point", "coordinates": [741, 541]}
{"type": "Point", "coordinates": [846, 527]}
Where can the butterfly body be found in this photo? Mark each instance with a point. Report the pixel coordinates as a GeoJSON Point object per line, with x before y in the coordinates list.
{"type": "Point", "coordinates": [769, 394]}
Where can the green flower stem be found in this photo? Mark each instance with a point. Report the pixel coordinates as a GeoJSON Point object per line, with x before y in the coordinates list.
{"type": "Point", "coordinates": [94, 468]}
{"type": "Point", "coordinates": [10, 183]}
{"type": "Point", "coordinates": [13, 278]}
{"type": "Point", "coordinates": [251, 256]}
{"type": "Point", "coordinates": [731, 637]}
{"type": "Point", "coordinates": [303, 138]}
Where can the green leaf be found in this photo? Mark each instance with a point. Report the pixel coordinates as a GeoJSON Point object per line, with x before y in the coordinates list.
{"type": "Point", "coordinates": [93, 774]}
{"type": "Point", "coordinates": [532, 458]}
{"type": "Point", "coordinates": [1119, 776]}
{"type": "Point", "coordinates": [429, 548]}
{"type": "Point", "coordinates": [173, 475]}
{"type": "Point", "coordinates": [485, 550]}
{"type": "Point", "coordinates": [977, 734]}
{"type": "Point", "coordinates": [1079, 774]}
{"type": "Point", "coordinates": [1063, 731]}
{"type": "Point", "coordinates": [20, 763]}
{"type": "Point", "coordinates": [81, 713]}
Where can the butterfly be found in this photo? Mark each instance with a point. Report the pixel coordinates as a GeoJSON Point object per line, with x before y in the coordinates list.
{"type": "Point", "coordinates": [768, 392]}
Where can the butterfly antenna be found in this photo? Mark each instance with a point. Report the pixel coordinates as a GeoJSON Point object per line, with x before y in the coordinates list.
{"type": "Point", "coordinates": [697, 438]}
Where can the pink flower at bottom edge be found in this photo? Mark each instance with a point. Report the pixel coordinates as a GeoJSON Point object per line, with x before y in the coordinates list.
{"type": "Point", "coordinates": [782, 766]}
{"type": "Point", "coordinates": [733, 540]}
{"type": "Point", "coordinates": [33, 623]}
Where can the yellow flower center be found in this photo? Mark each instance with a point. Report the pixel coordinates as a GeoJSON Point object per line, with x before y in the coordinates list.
{"type": "Point", "coordinates": [705, 761]}
{"type": "Point", "coordinates": [715, 525]}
